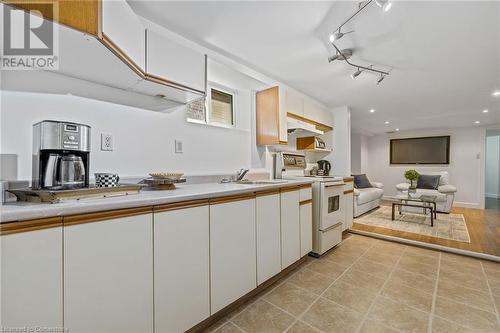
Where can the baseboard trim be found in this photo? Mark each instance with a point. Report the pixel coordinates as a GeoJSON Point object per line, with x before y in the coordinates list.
{"type": "Point", "coordinates": [477, 255]}
{"type": "Point", "coordinates": [491, 195]}
{"type": "Point", "coordinates": [473, 205]}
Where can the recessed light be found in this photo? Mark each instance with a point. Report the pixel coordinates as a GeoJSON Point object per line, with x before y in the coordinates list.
{"type": "Point", "coordinates": [397, 129]}
{"type": "Point", "coordinates": [387, 123]}
{"type": "Point", "coordinates": [496, 93]}
{"type": "Point", "coordinates": [372, 110]}
{"type": "Point", "coordinates": [485, 111]}
{"type": "Point", "coordinates": [477, 122]}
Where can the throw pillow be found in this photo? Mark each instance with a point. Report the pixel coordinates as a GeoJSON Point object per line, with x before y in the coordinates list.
{"type": "Point", "coordinates": [430, 182]}
{"type": "Point", "coordinates": [361, 181]}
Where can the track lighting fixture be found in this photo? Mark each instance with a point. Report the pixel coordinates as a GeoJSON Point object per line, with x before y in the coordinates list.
{"type": "Point", "coordinates": [339, 34]}
{"type": "Point", "coordinates": [381, 78]}
{"type": "Point", "coordinates": [384, 4]}
{"type": "Point", "coordinates": [356, 73]}
{"type": "Point", "coordinates": [347, 53]}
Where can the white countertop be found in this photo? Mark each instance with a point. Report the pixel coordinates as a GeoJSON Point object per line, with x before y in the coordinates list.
{"type": "Point", "coordinates": [18, 211]}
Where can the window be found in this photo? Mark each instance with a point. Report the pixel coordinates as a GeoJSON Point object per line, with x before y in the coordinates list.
{"type": "Point", "coordinates": [216, 109]}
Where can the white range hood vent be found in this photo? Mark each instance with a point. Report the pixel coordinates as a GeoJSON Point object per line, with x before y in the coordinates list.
{"type": "Point", "coordinates": [296, 126]}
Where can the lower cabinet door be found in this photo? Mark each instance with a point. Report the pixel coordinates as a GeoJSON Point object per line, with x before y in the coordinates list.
{"type": "Point", "coordinates": [232, 251]}
{"type": "Point", "coordinates": [108, 275]}
{"type": "Point", "coordinates": [31, 279]}
{"type": "Point", "coordinates": [268, 236]}
{"type": "Point", "coordinates": [290, 228]}
{"type": "Point", "coordinates": [306, 229]}
{"type": "Point", "coordinates": [349, 211]}
{"type": "Point", "coordinates": [181, 275]}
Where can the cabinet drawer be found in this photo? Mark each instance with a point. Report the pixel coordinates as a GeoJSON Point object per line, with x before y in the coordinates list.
{"type": "Point", "coordinates": [305, 193]}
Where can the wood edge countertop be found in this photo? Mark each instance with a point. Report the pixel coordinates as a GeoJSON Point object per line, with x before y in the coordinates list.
{"type": "Point", "coordinates": [68, 219]}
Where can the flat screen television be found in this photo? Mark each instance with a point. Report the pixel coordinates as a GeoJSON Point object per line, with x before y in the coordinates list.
{"type": "Point", "coordinates": [427, 150]}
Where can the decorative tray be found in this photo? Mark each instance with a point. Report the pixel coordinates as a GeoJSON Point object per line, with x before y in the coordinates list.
{"type": "Point", "coordinates": [162, 183]}
{"type": "Point", "coordinates": [55, 196]}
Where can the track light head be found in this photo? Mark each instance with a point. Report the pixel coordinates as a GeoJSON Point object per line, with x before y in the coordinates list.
{"type": "Point", "coordinates": [356, 73]}
{"type": "Point", "coordinates": [381, 78]}
{"type": "Point", "coordinates": [333, 57]}
{"type": "Point", "coordinates": [384, 4]}
{"type": "Point", "coordinates": [345, 54]}
{"type": "Point", "coordinates": [339, 34]}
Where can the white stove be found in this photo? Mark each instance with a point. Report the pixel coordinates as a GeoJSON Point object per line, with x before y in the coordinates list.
{"type": "Point", "coordinates": [327, 191]}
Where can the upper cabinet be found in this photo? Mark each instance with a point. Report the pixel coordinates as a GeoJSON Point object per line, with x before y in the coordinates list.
{"type": "Point", "coordinates": [176, 63]}
{"type": "Point", "coordinates": [123, 29]}
{"type": "Point", "coordinates": [317, 113]}
{"type": "Point", "coordinates": [271, 117]}
{"type": "Point", "coordinates": [105, 42]}
{"type": "Point", "coordinates": [294, 103]}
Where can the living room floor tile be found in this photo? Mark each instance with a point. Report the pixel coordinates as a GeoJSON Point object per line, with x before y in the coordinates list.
{"type": "Point", "coordinates": [407, 295]}
{"type": "Point", "coordinates": [373, 326]}
{"type": "Point", "coordinates": [372, 267]}
{"type": "Point", "coordinates": [362, 280]}
{"type": "Point", "coordinates": [472, 297]}
{"type": "Point", "coordinates": [330, 317]}
{"type": "Point", "coordinates": [440, 325]}
{"type": "Point", "coordinates": [417, 281]}
{"type": "Point", "coordinates": [468, 280]}
{"type": "Point", "coordinates": [351, 296]}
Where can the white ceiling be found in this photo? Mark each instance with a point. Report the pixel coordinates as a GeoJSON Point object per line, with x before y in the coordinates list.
{"type": "Point", "coordinates": [444, 57]}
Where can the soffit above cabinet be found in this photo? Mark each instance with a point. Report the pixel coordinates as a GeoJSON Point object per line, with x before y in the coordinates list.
{"type": "Point", "coordinates": [107, 45]}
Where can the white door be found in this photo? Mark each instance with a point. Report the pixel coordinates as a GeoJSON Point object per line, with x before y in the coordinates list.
{"type": "Point", "coordinates": [331, 209]}
{"type": "Point", "coordinates": [268, 236]}
{"type": "Point", "coordinates": [290, 228]}
{"type": "Point", "coordinates": [181, 273]}
{"type": "Point", "coordinates": [174, 62]}
{"type": "Point", "coordinates": [31, 279]}
{"type": "Point", "coordinates": [125, 29]}
{"type": "Point", "coordinates": [108, 275]}
{"type": "Point", "coordinates": [232, 251]}
{"type": "Point", "coordinates": [305, 228]}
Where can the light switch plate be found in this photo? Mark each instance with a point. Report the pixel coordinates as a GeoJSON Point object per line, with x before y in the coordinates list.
{"type": "Point", "coordinates": [106, 142]}
{"type": "Point", "coordinates": [178, 146]}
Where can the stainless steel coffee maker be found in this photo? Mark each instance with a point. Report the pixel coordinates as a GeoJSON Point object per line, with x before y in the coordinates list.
{"type": "Point", "coordinates": [61, 155]}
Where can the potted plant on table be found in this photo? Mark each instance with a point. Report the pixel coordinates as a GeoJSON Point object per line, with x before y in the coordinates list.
{"type": "Point", "coordinates": [412, 176]}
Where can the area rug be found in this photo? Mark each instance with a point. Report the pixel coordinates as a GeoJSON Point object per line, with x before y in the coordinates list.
{"type": "Point", "coordinates": [448, 226]}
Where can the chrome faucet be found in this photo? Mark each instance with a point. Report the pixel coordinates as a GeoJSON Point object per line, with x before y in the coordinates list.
{"type": "Point", "coordinates": [240, 174]}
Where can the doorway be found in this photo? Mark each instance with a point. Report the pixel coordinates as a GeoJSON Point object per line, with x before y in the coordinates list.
{"type": "Point", "coordinates": [492, 174]}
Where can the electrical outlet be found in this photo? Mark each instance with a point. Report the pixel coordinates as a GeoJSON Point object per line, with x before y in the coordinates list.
{"type": "Point", "coordinates": [178, 146]}
{"type": "Point", "coordinates": [106, 142]}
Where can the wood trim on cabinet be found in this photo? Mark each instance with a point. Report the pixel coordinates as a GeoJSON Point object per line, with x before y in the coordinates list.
{"type": "Point", "coordinates": [267, 117]}
{"type": "Point", "coordinates": [305, 202]}
{"type": "Point", "coordinates": [348, 179]}
{"type": "Point", "coordinates": [165, 82]}
{"type": "Point", "coordinates": [290, 189]}
{"type": "Point", "coordinates": [106, 215]}
{"type": "Point", "coordinates": [180, 205]}
{"type": "Point", "coordinates": [106, 41]}
{"type": "Point", "coordinates": [304, 186]}
{"type": "Point", "coordinates": [8, 228]}
{"type": "Point", "coordinates": [81, 15]}
{"type": "Point", "coordinates": [348, 191]}
{"type": "Point", "coordinates": [268, 192]}
{"type": "Point", "coordinates": [320, 126]}
{"type": "Point", "coordinates": [232, 198]}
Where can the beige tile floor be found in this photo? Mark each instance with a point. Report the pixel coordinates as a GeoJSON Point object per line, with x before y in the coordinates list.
{"type": "Point", "coordinates": [368, 285]}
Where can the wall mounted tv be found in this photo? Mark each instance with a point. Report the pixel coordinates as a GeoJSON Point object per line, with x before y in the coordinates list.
{"type": "Point", "coordinates": [428, 150]}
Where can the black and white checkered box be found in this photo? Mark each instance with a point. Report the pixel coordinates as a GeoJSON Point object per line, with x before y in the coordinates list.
{"type": "Point", "coordinates": [106, 179]}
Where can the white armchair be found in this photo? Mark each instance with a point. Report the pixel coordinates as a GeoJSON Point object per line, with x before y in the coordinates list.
{"type": "Point", "coordinates": [445, 193]}
{"type": "Point", "coordinates": [366, 199]}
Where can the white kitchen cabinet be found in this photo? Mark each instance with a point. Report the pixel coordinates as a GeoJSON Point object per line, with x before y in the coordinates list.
{"type": "Point", "coordinates": [305, 228]}
{"type": "Point", "coordinates": [290, 228]}
{"type": "Point", "coordinates": [31, 279]}
{"type": "Point", "coordinates": [294, 103]}
{"type": "Point", "coordinates": [174, 62]}
{"type": "Point", "coordinates": [349, 210]}
{"type": "Point", "coordinates": [181, 268]}
{"type": "Point", "coordinates": [268, 236]}
{"type": "Point", "coordinates": [317, 113]}
{"type": "Point", "coordinates": [232, 251]}
{"type": "Point", "coordinates": [124, 28]}
{"type": "Point", "coordinates": [108, 275]}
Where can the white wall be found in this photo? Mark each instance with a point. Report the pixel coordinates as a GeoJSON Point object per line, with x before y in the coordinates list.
{"type": "Point", "coordinates": [492, 176]}
{"type": "Point", "coordinates": [464, 167]}
{"type": "Point", "coordinates": [340, 138]}
{"type": "Point", "coordinates": [143, 140]}
{"type": "Point", "coordinates": [359, 153]}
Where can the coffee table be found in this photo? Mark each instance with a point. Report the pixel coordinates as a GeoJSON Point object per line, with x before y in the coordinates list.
{"type": "Point", "coordinates": [426, 202]}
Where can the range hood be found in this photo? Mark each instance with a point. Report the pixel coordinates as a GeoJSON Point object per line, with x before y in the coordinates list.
{"type": "Point", "coordinates": [300, 127]}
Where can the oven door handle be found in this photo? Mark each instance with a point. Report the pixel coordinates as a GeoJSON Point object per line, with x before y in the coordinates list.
{"type": "Point", "coordinates": [334, 185]}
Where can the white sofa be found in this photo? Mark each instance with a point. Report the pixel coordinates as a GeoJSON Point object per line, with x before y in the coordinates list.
{"type": "Point", "coordinates": [445, 192]}
{"type": "Point", "coordinates": [366, 199]}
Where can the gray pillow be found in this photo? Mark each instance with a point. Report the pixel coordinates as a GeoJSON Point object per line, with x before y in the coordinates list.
{"type": "Point", "coordinates": [429, 182]}
{"type": "Point", "coordinates": [361, 181]}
